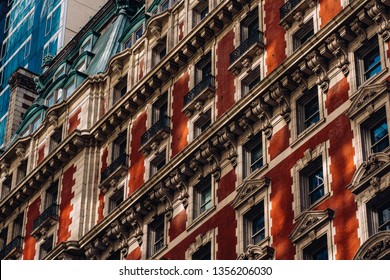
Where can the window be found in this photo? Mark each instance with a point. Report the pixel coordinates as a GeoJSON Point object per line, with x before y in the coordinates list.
{"type": "Point", "coordinates": [115, 199]}
{"type": "Point", "coordinates": [120, 89]}
{"type": "Point", "coordinates": [27, 48]}
{"type": "Point", "coordinates": [59, 72]}
{"type": "Point", "coordinates": [304, 33]}
{"type": "Point", "coordinates": [203, 253]}
{"type": "Point", "coordinates": [17, 226]}
{"type": "Point", "coordinates": [3, 238]}
{"type": "Point", "coordinates": [203, 68]}
{"type": "Point", "coordinates": [36, 123]}
{"type": "Point", "coordinates": [160, 108]}
{"type": "Point", "coordinates": [54, 97]}
{"type": "Point", "coordinates": [157, 163]}
{"type": "Point", "coordinates": [202, 196]}
{"type": "Point", "coordinates": [308, 109]}
{"type": "Point", "coordinates": [56, 138]}
{"type": "Point", "coordinates": [368, 61]}
{"type": "Point", "coordinates": [378, 212]}
{"type": "Point", "coordinates": [22, 171]}
{"type": "Point", "coordinates": [384, 217]}
{"type": "Point", "coordinates": [51, 195]}
{"type": "Point", "coordinates": [200, 12]}
{"type": "Point", "coordinates": [138, 33]}
{"type": "Point", "coordinates": [87, 46]}
{"type": "Point", "coordinates": [253, 155]}
{"type": "Point", "coordinates": [46, 247]}
{"type": "Point", "coordinates": [312, 183]}
{"type": "Point", "coordinates": [3, 50]}
{"type": "Point", "coordinates": [250, 81]}
{"type": "Point", "coordinates": [119, 145]}
{"type": "Point", "coordinates": [254, 225]}
{"type": "Point", "coordinates": [156, 236]}
{"type": "Point", "coordinates": [159, 51]}
{"type": "Point", "coordinates": [7, 23]}
{"type": "Point", "coordinates": [250, 25]}
{"type": "Point", "coordinates": [48, 24]}
{"type": "Point", "coordinates": [6, 186]}
{"type": "Point", "coordinates": [70, 89]}
{"type": "Point", "coordinates": [375, 133]}
{"type": "Point", "coordinates": [30, 21]}
{"type": "Point", "coordinates": [317, 250]}
{"type": "Point", "coordinates": [202, 123]}
{"type": "Point", "coordinates": [165, 5]}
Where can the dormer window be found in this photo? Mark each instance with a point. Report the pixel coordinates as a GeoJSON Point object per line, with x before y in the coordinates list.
{"type": "Point", "coordinates": [87, 46]}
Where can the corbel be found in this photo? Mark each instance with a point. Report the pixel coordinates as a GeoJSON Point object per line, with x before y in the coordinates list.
{"type": "Point", "coordinates": [178, 180]}
{"type": "Point", "coordinates": [318, 65]}
{"type": "Point", "coordinates": [94, 249]}
{"type": "Point", "coordinates": [263, 111]}
{"type": "Point", "coordinates": [162, 194]}
{"type": "Point", "coordinates": [280, 94]}
{"type": "Point", "coordinates": [338, 47]}
{"type": "Point", "coordinates": [211, 154]}
{"type": "Point", "coordinates": [228, 140]}
{"type": "Point", "coordinates": [380, 14]}
{"type": "Point", "coordinates": [134, 219]}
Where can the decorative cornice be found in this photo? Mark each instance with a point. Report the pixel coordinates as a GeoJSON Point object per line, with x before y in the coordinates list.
{"type": "Point", "coordinates": [375, 248]}
{"type": "Point", "coordinates": [249, 189]}
{"type": "Point", "coordinates": [18, 79]}
{"type": "Point", "coordinates": [256, 252]}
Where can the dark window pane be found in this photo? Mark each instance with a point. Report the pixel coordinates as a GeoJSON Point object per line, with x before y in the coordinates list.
{"type": "Point", "coordinates": [379, 137]}
{"type": "Point", "coordinates": [384, 217]}
{"type": "Point", "coordinates": [372, 63]}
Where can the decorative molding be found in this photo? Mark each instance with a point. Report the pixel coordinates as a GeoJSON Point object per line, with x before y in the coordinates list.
{"type": "Point", "coordinates": [339, 48]}
{"type": "Point", "coordinates": [309, 222]}
{"type": "Point", "coordinates": [200, 240]}
{"type": "Point", "coordinates": [18, 79]}
{"type": "Point", "coordinates": [263, 111]}
{"type": "Point", "coordinates": [379, 12]}
{"type": "Point", "coordinates": [359, 29]}
{"type": "Point", "coordinates": [248, 189]}
{"type": "Point", "coordinates": [280, 94]}
{"type": "Point", "coordinates": [94, 249]}
{"type": "Point", "coordinates": [256, 252]}
{"type": "Point", "coordinates": [228, 140]}
{"type": "Point", "coordinates": [299, 77]}
{"type": "Point", "coordinates": [375, 248]}
{"type": "Point", "coordinates": [317, 63]}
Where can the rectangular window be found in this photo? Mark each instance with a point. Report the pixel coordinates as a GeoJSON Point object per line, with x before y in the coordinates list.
{"type": "Point", "coordinates": [22, 171]}
{"type": "Point", "coordinates": [6, 186]}
{"type": "Point", "coordinates": [17, 227]}
{"type": "Point", "coordinates": [375, 133]}
{"type": "Point", "coordinates": [120, 89]}
{"type": "Point", "coordinates": [200, 12]}
{"type": "Point", "coordinates": [156, 236]}
{"type": "Point", "coordinates": [254, 224]}
{"type": "Point", "coordinates": [7, 23]}
{"type": "Point", "coordinates": [203, 68]}
{"type": "Point", "coordinates": [202, 123]}
{"type": "Point", "coordinates": [368, 61]}
{"type": "Point", "coordinates": [203, 253]}
{"type": "Point", "coordinates": [317, 250]}
{"type": "Point", "coordinates": [115, 199]}
{"type": "Point", "coordinates": [138, 33]}
{"type": "Point", "coordinates": [70, 89]}
{"type": "Point", "coordinates": [160, 108]}
{"type": "Point", "coordinates": [384, 216]}
{"type": "Point", "coordinates": [56, 138]}
{"type": "Point", "coordinates": [27, 47]}
{"type": "Point", "coordinates": [46, 247]}
{"type": "Point", "coordinates": [312, 183]}
{"type": "Point", "coordinates": [159, 51]}
{"type": "Point", "coordinates": [119, 145]}
{"type": "Point", "coordinates": [165, 5]}
{"type": "Point", "coordinates": [203, 196]}
{"type": "Point", "coordinates": [250, 81]}
{"type": "Point", "coordinates": [3, 238]}
{"type": "Point", "coordinates": [51, 195]}
{"type": "Point", "coordinates": [304, 33]}
{"type": "Point", "coordinates": [253, 155]}
{"type": "Point", "coordinates": [36, 123]}
{"type": "Point", "coordinates": [157, 163]}
{"type": "Point", "coordinates": [3, 50]}
{"type": "Point", "coordinates": [48, 24]}
{"type": "Point", "coordinates": [308, 110]}
{"type": "Point", "coordinates": [250, 25]}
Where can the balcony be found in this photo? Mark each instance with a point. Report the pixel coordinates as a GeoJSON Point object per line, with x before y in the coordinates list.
{"type": "Point", "coordinates": [294, 10]}
{"type": "Point", "coordinates": [196, 98]}
{"type": "Point", "coordinates": [117, 169]}
{"type": "Point", "coordinates": [154, 135]}
{"type": "Point", "coordinates": [13, 250]}
{"type": "Point", "coordinates": [243, 56]}
{"type": "Point", "coordinates": [47, 219]}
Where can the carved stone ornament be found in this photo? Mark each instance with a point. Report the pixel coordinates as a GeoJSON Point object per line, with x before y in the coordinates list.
{"type": "Point", "coordinates": [375, 248]}
{"type": "Point", "coordinates": [17, 79]}
{"type": "Point", "coordinates": [300, 79]}
{"type": "Point", "coordinates": [162, 194]}
{"type": "Point", "coordinates": [134, 219]}
{"type": "Point", "coordinates": [280, 94]}
{"type": "Point", "coordinates": [264, 113]}
{"type": "Point", "coordinates": [310, 221]}
{"type": "Point", "coordinates": [338, 47]}
{"type": "Point", "coordinates": [318, 65]}
{"type": "Point", "coordinates": [380, 14]}
{"type": "Point", "coordinates": [366, 96]}
{"type": "Point", "coordinates": [228, 140]}
{"type": "Point", "coordinates": [94, 249]}
{"type": "Point", "coordinates": [370, 172]}
{"type": "Point", "coordinates": [211, 154]}
{"type": "Point", "coordinates": [178, 181]}
{"type": "Point", "coordinates": [248, 189]}
{"type": "Point", "coordinates": [359, 29]}
{"type": "Point", "coordinates": [256, 252]}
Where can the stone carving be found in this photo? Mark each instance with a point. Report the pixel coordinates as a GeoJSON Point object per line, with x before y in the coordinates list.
{"type": "Point", "coordinates": [264, 112]}
{"type": "Point", "coordinates": [380, 14]}
{"type": "Point", "coordinates": [358, 28]}
{"type": "Point", "coordinates": [178, 180]}
{"type": "Point", "coordinates": [318, 65]}
{"type": "Point", "coordinates": [211, 155]}
{"type": "Point", "coordinates": [280, 93]}
{"type": "Point", "coordinates": [300, 79]}
{"type": "Point", "coordinates": [94, 249]}
{"type": "Point", "coordinates": [338, 47]}
{"type": "Point", "coordinates": [134, 219]}
{"type": "Point", "coordinates": [256, 252]}
{"type": "Point", "coordinates": [227, 139]}
{"type": "Point", "coordinates": [162, 194]}
{"type": "Point", "coordinates": [249, 188]}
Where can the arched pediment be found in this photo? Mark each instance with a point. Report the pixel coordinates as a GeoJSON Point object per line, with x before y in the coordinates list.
{"type": "Point", "coordinates": [375, 248]}
{"type": "Point", "coordinates": [375, 166]}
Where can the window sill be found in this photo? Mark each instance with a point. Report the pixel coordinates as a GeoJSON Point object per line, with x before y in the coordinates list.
{"type": "Point", "coordinates": [314, 205]}
{"type": "Point", "coordinates": [254, 174]}
{"type": "Point", "coordinates": [307, 131]}
{"type": "Point", "coordinates": [158, 253]}
{"type": "Point", "coordinates": [198, 219]}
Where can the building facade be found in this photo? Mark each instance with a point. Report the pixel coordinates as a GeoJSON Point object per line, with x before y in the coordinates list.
{"type": "Point", "coordinates": [232, 129]}
{"type": "Point", "coordinates": [34, 32]}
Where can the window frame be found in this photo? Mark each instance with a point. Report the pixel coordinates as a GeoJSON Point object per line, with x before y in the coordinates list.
{"type": "Point", "coordinates": [302, 32]}
{"type": "Point", "coordinates": [45, 242]}
{"type": "Point", "coordinates": [159, 158]}
{"type": "Point", "coordinates": [152, 227]}
{"type": "Point", "coordinates": [312, 248]}
{"type": "Point", "coordinates": [306, 98]}
{"type": "Point", "coordinates": [160, 50]}
{"type": "Point", "coordinates": [248, 218]}
{"type": "Point", "coordinates": [247, 149]}
{"type": "Point", "coordinates": [202, 123]}
{"type": "Point", "coordinates": [198, 190]}
{"type": "Point", "coordinates": [116, 198]}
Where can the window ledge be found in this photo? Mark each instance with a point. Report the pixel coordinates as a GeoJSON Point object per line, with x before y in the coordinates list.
{"type": "Point", "coordinates": [158, 253]}
{"type": "Point", "coordinates": [307, 131]}
{"type": "Point", "coordinates": [314, 205]}
{"type": "Point", "coordinates": [253, 175]}
{"type": "Point", "coordinates": [198, 219]}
